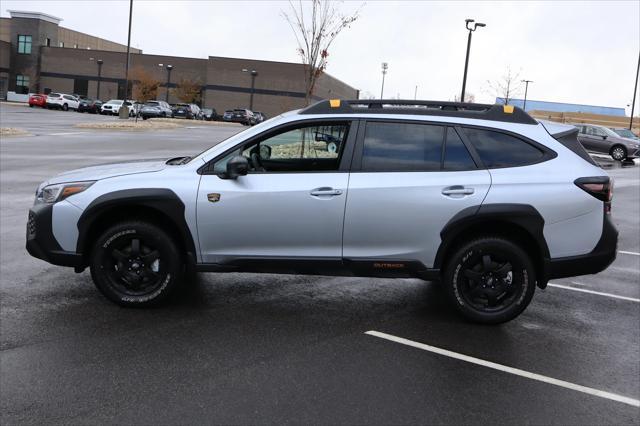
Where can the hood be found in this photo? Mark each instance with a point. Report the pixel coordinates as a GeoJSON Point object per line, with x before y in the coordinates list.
{"type": "Point", "coordinates": [103, 171]}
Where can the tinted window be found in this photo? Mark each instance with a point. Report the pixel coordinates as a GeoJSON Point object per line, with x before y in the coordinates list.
{"type": "Point", "coordinates": [456, 155]}
{"type": "Point", "coordinates": [402, 147]}
{"type": "Point", "coordinates": [501, 150]}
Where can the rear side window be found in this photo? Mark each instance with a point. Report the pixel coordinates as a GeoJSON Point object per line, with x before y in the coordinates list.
{"type": "Point", "coordinates": [501, 150]}
{"type": "Point", "coordinates": [456, 155]}
{"type": "Point", "coordinates": [390, 147]}
{"type": "Point", "coordinates": [571, 142]}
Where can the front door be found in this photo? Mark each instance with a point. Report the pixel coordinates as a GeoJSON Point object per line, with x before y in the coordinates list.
{"type": "Point", "coordinates": [290, 204]}
{"type": "Point", "coordinates": [406, 191]}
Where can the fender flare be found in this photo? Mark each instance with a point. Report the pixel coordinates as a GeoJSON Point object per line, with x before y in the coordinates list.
{"type": "Point", "coordinates": [523, 216]}
{"type": "Point", "coordinates": [164, 201]}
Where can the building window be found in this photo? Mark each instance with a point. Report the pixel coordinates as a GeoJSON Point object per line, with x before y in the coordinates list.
{"type": "Point", "coordinates": [48, 42]}
{"type": "Point", "coordinates": [61, 44]}
{"type": "Point", "coordinates": [22, 84]}
{"type": "Point", "coordinates": [24, 44]}
{"type": "Point", "coordinates": [75, 46]}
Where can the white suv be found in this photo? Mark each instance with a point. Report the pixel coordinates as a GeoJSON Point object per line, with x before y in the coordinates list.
{"type": "Point", "coordinates": [482, 198]}
{"type": "Point", "coordinates": [62, 101]}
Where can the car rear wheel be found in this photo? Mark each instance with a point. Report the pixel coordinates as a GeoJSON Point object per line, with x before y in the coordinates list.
{"type": "Point", "coordinates": [136, 264]}
{"type": "Point", "coordinates": [65, 107]}
{"type": "Point", "coordinates": [490, 280]}
{"type": "Point", "coordinates": [618, 152]}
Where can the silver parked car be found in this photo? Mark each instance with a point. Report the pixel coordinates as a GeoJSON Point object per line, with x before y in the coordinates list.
{"type": "Point", "coordinates": [482, 198]}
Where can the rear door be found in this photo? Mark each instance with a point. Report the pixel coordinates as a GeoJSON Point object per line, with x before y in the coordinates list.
{"type": "Point", "coordinates": [409, 179]}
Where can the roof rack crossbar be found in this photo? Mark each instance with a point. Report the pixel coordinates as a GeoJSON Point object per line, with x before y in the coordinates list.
{"type": "Point", "coordinates": [495, 112]}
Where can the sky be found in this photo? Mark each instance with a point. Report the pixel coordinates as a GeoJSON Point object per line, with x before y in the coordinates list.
{"type": "Point", "coordinates": [576, 52]}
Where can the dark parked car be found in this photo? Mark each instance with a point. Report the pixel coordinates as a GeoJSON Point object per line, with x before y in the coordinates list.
{"type": "Point", "coordinates": [91, 106]}
{"type": "Point", "coordinates": [209, 114]}
{"type": "Point", "coordinates": [240, 115]}
{"type": "Point", "coordinates": [190, 111]}
{"type": "Point", "coordinates": [152, 109]}
{"type": "Point", "coordinates": [603, 140]}
{"type": "Point", "coordinates": [260, 117]}
{"type": "Point", "coordinates": [626, 133]}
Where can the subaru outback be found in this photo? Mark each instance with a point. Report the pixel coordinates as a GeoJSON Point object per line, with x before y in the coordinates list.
{"type": "Point", "coordinates": [482, 199]}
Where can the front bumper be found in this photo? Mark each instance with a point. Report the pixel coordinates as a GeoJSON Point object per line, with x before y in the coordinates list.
{"type": "Point", "coordinates": [598, 260]}
{"type": "Point", "coordinates": [40, 240]}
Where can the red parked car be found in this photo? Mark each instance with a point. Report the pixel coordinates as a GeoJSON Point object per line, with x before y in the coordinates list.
{"type": "Point", "coordinates": [38, 100]}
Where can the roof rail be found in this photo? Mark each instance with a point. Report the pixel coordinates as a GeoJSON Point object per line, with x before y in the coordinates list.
{"type": "Point", "coordinates": [497, 112]}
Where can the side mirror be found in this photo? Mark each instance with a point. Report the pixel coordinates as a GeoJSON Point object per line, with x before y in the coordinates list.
{"type": "Point", "coordinates": [604, 138]}
{"type": "Point", "coordinates": [237, 166]}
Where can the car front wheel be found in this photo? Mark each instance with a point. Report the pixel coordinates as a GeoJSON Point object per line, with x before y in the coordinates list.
{"type": "Point", "coordinates": [136, 264]}
{"type": "Point", "coordinates": [618, 153]}
{"type": "Point", "coordinates": [490, 280]}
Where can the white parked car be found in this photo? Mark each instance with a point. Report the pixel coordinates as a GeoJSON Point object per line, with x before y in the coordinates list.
{"type": "Point", "coordinates": [114, 105]}
{"type": "Point", "coordinates": [62, 101]}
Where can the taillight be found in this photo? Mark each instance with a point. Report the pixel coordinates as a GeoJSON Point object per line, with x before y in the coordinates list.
{"type": "Point", "coordinates": [600, 187]}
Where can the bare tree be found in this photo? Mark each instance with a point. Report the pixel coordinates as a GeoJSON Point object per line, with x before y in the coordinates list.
{"type": "Point", "coordinates": [468, 97]}
{"type": "Point", "coordinates": [145, 86]}
{"type": "Point", "coordinates": [506, 87]}
{"type": "Point", "coordinates": [315, 32]}
{"type": "Point", "coordinates": [188, 91]}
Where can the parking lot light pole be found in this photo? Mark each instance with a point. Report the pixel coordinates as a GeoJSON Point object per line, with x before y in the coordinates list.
{"type": "Point", "coordinates": [385, 67]}
{"type": "Point", "coordinates": [166, 96]}
{"type": "Point", "coordinates": [635, 90]}
{"type": "Point", "coordinates": [466, 61]}
{"type": "Point", "coordinates": [100, 62]}
{"type": "Point", "coordinates": [254, 74]}
{"type": "Point", "coordinates": [124, 110]}
{"type": "Point", "coordinates": [526, 89]}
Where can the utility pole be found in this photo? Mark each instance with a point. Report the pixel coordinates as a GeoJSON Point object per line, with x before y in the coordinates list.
{"type": "Point", "coordinates": [526, 88]}
{"type": "Point", "coordinates": [466, 61]}
{"type": "Point", "coordinates": [166, 95]}
{"type": "Point", "coordinates": [635, 90]}
{"type": "Point", "coordinates": [254, 74]}
{"type": "Point", "coordinates": [124, 109]}
{"type": "Point", "coordinates": [415, 93]}
{"type": "Point", "coordinates": [385, 67]}
{"type": "Point", "coordinates": [100, 62]}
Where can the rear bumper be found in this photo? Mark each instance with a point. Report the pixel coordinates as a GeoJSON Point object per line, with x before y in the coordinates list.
{"type": "Point", "coordinates": [597, 261]}
{"type": "Point", "coordinates": [40, 240]}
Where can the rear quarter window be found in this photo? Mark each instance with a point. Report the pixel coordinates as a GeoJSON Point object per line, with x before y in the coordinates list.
{"type": "Point", "coordinates": [497, 149]}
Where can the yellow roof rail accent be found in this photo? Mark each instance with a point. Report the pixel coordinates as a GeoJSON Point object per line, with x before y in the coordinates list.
{"type": "Point", "coordinates": [334, 103]}
{"type": "Point", "coordinates": [508, 109]}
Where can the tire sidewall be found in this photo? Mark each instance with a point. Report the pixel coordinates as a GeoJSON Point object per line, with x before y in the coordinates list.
{"type": "Point", "coordinates": [523, 266]}
{"type": "Point", "coordinates": [169, 255]}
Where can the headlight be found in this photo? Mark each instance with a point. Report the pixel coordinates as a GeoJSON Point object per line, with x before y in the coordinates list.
{"type": "Point", "coordinates": [53, 193]}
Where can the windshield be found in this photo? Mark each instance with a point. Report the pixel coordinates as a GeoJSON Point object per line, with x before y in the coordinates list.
{"type": "Point", "coordinates": [625, 133]}
{"type": "Point", "coordinates": [115, 102]}
{"type": "Point", "coordinates": [153, 104]}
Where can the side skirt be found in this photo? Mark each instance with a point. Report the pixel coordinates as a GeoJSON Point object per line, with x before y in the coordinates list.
{"type": "Point", "coordinates": [381, 268]}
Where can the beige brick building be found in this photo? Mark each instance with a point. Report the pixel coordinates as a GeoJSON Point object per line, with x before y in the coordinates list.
{"type": "Point", "coordinates": [38, 55]}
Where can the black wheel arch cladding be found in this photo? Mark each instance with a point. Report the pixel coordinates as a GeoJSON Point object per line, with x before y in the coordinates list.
{"type": "Point", "coordinates": [163, 201]}
{"type": "Point", "coordinates": [522, 216]}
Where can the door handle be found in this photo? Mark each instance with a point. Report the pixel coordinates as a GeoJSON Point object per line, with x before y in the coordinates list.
{"type": "Point", "coordinates": [325, 191]}
{"type": "Point", "coordinates": [457, 190]}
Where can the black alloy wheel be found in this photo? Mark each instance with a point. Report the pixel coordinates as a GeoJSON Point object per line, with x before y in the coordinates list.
{"type": "Point", "coordinates": [490, 280]}
{"type": "Point", "coordinates": [136, 264]}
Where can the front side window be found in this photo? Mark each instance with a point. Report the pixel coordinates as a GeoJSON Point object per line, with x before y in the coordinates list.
{"type": "Point", "coordinates": [390, 147]}
{"type": "Point", "coordinates": [24, 44]}
{"type": "Point", "coordinates": [316, 148]}
{"type": "Point", "coordinates": [22, 84]}
{"type": "Point", "coordinates": [501, 150]}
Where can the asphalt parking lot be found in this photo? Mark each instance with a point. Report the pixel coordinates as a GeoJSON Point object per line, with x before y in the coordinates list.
{"type": "Point", "coordinates": [246, 348]}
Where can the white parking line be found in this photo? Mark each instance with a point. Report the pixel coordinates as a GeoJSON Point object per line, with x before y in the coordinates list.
{"type": "Point", "coordinates": [598, 293]}
{"type": "Point", "coordinates": [506, 369]}
{"type": "Point", "coordinates": [66, 133]}
{"type": "Point", "coordinates": [633, 253]}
